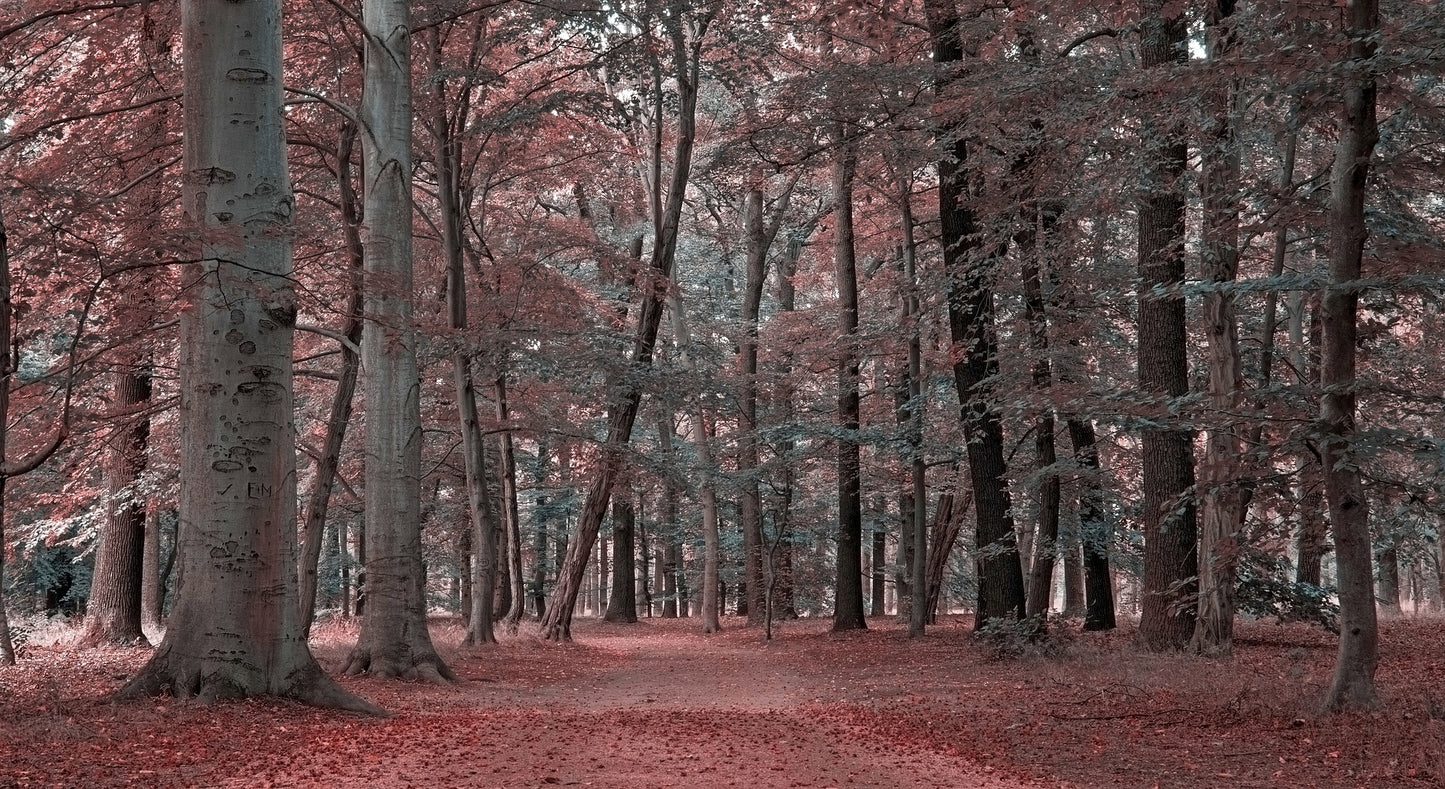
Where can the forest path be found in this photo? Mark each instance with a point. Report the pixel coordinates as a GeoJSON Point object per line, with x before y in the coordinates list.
{"type": "Point", "coordinates": [656, 704]}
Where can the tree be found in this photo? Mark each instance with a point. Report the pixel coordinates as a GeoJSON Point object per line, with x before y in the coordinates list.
{"type": "Point", "coordinates": [1353, 684]}
{"type": "Point", "coordinates": [848, 604]}
{"type": "Point", "coordinates": [394, 640]}
{"type": "Point", "coordinates": [970, 315]}
{"type": "Point", "coordinates": [1221, 495]}
{"type": "Point", "coordinates": [1170, 531]}
{"type": "Point", "coordinates": [236, 629]}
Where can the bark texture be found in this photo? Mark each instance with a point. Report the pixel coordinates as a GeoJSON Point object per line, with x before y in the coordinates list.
{"type": "Point", "coordinates": [1169, 521]}
{"type": "Point", "coordinates": [971, 318]}
{"type": "Point", "coordinates": [113, 614]}
{"type": "Point", "coordinates": [848, 588]}
{"type": "Point", "coordinates": [236, 627]}
{"type": "Point", "coordinates": [394, 641]}
{"type": "Point", "coordinates": [1222, 495]}
{"type": "Point", "coordinates": [1353, 684]}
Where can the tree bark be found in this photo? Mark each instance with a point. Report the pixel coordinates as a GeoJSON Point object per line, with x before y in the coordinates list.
{"type": "Point", "coordinates": [113, 615]}
{"type": "Point", "coordinates": [1222, 495]}
{"type": "Point", "coordinates": [236, 627]}
{"type": "Point", "coordinates": [556, 625]}
{"type": "Point", "coordinates": [848, 602]}
{"type": "Point", "coordinates": [318, 503]}
{"type": "Point", "coordinates": [622, 603]}
{"type": "Point", "coordinates": [1168, 517]}
{"type": "Point", "coordinates": [1353, 684]}
{"type": "Point", "coordinates": [394, 640]}
{"type": "Point", "coordinates": [511, 515]}
{"type": "Point", "coordinates": [1095, 532]}
{"type": "Point", "coordinates": [971, 317]}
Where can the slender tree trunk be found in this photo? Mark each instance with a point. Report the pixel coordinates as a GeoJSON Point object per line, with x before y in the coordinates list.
{"type": "Point", "coordinates": [318, 504]}
{"type": "Point", "coordinates": [150, 590]}
{"type": "Point", "coordinates": [947, 523]}
{"type": "Point", "coordinates": [1313, 538]}
{"type": "Point", "coordinates": [511, 520]}
{"type": "Point", "coordinates": [760, 239]}
{"type": "Point", "coordinates": [1046, 542]}
{"type": "Point", "coordinates": [1222, 498]}
{"type": "Point", "coordinates": [707, 486]}
{"type": "Point", "coordinates": [236, 627]}
{"type": "Point", "coordinates": [7, 368]}
{"type": "Point", "coordinates": [848, 605]}
{"type": "Point", "coordinates": [1169, 523]}
{"type": "Point", "coordinates": [783, 604]}
{"type": "Point", "coordinates": [394, 640]}
{"type": "Point", "coordinates": [1096, 534]}
{"type": "Point", "coordinates": [971, 317]}
{"type": "Point", "coordinates": [1353, 684]}
{"type": "Point", "coordinates": [556, 625]}
{"type": "Point", "coordinates": [113, 615]}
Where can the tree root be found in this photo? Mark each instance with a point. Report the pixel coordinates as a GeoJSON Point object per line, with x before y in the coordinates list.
{"type": "Point", "coordinates": [415, 666]}
{"type": "Point", "coordinates": [307, 684]}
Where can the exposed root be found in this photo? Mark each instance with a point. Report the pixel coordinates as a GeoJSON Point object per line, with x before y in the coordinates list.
{"type": "Point", "coordinates": [308, 684]}
{"type": "Point", "coordinates": [400, 664]}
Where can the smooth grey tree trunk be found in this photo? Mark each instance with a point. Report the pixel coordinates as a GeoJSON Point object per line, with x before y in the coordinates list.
{"type": "Point", "coordinates": [394, 640]}
{"type": "Point", "coordinates": [236, 629]}
{"type": "Point", "coordinates": [848, 583]}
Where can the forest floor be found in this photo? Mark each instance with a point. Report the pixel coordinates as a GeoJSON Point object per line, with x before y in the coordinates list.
{"type": "Point", "coordinates": [657, 704]}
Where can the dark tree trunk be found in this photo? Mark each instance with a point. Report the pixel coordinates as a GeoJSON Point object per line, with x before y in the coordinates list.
{"type": "Point", "coordinates": [1096, 534]}
{"type": "Point", "coordinates": [971, 317]}
{"type": "Point", "coordinates": [318, 500]}
{"type": "Point", "coordinates": [622, 602]}
{"type": "Point", "coordinates": [1353, 684]}
{"type": "Point", "coordinates": [848, 606]}
{"type": "Point", "coordinates": [878, 572]}
{"type": "Point", "coordinates": [1033, 242]}
{"type": "Point", "coordinates": [113, 615]}
{"type": "Point", "coordinates": [947, 522]}
{"type": "Point", "coordinates": [1168, 516]}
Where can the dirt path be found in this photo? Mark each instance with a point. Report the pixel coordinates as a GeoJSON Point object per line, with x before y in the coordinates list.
{"type": "Point", "coordinates": [642, 706]}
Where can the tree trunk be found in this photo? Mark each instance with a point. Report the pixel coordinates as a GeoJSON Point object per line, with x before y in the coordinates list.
{"type": "Point", "coordinates": [7, 368]}
{"type": "Point", "coordinates": [947, 522]}
{"type": "Point", "coordinates": [236, 627]}
{"type": "Point", "coordinates": [394, 640]}
{"type": "Point", "coordinates": [113, 615]}
{"type": "Point", "coordinates": [971, 318]}
{"type": "Point", "coordinates": [151, 586]}
{"type": "Point", "coordinates": [556, 625]}
{"type": "Point", "coordinates": [1312, 540]}
{"type": "Point", "coordinates": [622, 603]}
{"type": "Point", "coordinates": [1046, 542]}
{"type": "Point", "coordinates": [913, 505]}
{"type": "Point", "coordinates": [848, 604]}
{"type": "Point", "coordinates": [707, 486]}
{"type": "Point", "coordinates": [1353, 684]}
{"type": "Point", "coordinates": [512, 519]}
{"type": "Point", "coordinates": [318, 504]}
{"type": "Point", "coordinates": [1168, 516]}
{"type": "Point", "coordinates": [1096, 534]}
{"type": "Point", "coordinates": [1221, 495]}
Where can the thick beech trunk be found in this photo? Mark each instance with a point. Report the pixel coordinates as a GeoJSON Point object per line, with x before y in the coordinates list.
{"type": "Point", "coordinates": [236, 627]}
{"type": "Point", "coordinates": [1168, 516]}
{"type": "Point", "coordinates": [1353, 685]}
{"type": "Point", "coordinates": [848, 602]}
{"type": "Point", "coordinates": [1222, 502]}
{"type": "Point", "coordinates": [113, 615]}
{"type": "Point", "coordinates": [394, 640]}
{"type": "Point", "coordinates": [556, 624]}
{"type": "Point", "coordinates": [318, 501]}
